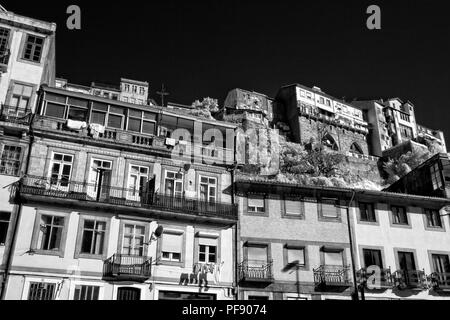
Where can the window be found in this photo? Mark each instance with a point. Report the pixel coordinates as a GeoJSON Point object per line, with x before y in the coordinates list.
{"type": "Point", "coordinates": [126, 87]}
{"type": "Point", "coordinates": [256, 298]}
{"type": "Point", "coordinates": [329, 209]}
{"type": "Point", "coordinates": [141, 91]}
{"type": "Point", "coordinates": [257, 255]}
{"type": "Point", "coordinates": [433, 218]}
{"type": "Point", "coordinates": [100, 172]}
{"type": "Point", "coordinates": [333, 258]}
{"type": "Point", "coordinates": [322, 100]}
{"type": "Point", "coordinates": [10, 161]}
{"type": "Point", "coordinates": [174, 184]}
{"type": "Point", "coordinates": [134, 89]}
{"type": "Point", "coordinates": [50, 233]}
{"type": "Point", "coordinates": [171, 246]}
{"type": "Point", "coordinates": [207, 252]}
{"type": "Point", "coordinates": [309, 95]}
{"type": "Point", "coordinates": [86, 292]}
{"type": "Point", "coordinates": [4, 44]}
{"type": "Point", "coordinates": [441, 265]}
{"type": "Point", "coordinates": [328, 103]}
{"type": "Point", "coordinates": [436, 178]}
{"type": "Point", "coordinates": [208, 189]}
{"type": "Point", "coordinates": [98, 114]}
{"type": "Point", "coordinates": [137, 182]}
{"type": "Point", "coordinates": [41, 291]}
{"type": "Point", "coordinates": [21, 98]}
{"type": "Point", "coordinates": [367, 212]}
{"type": "Point", "coordinates": [116, 117]}
{"type": "Point", "coordinates": [55, 110]}
{"type": "Point", "coordinates": [61, 169]}
{"type": "Point", "coordinates": [399, 215]}
{"type": "Point", "coordinates": [293, 207]}
{"type": "Point", "coordinates": [406, 132]}
{"type": "Point", "coordinates": [372, 258]}
{"type": "Point", "coordinates": [256, 205]}
{"type": "Point", "coordinates": [4, 225]}
{"type": "Point", "coordinates": [93, 237]}
{"type": "Point", "coordinates": [77, 114]}
{"type": "Point", "coordinates": [133, 240]}
{"type": "Point", "coordinates": [294, 254]}
{"type": "Point", "coordinates": [141, 122]}
{"type": "Point", "coordinates": [33, 48]}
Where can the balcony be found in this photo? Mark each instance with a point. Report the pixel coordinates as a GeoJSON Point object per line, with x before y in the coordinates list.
{"type": "Point", "coordinates": [15, 115]}
{"type": "Point", "coordinates": [127, 268]}
{"type": "Point", "coordinates": [374, 281]}
{"type": "Point", "coordinates": [410, 279]}
{"type": "Point", "coordinates": [86, 194]}
{"type": "Point", "coordinates": [256, 271]}
{"type": "Point", "coordinates": [332, 277]}
{"type": "Point", "coordinates": [440, 281]}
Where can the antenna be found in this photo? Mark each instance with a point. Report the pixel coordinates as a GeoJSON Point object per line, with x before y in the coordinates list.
{"type": "Point", "coordinates": [163, 93]}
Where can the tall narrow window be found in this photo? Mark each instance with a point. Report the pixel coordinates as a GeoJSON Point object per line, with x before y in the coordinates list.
{"type": "Point", "coordinates": [174, 184]}
{"type": "Point", "coordinates": [4, 44]}
{"type": "Point", "coordinates": [433, 218]}
{"type": "Point", "coordinates": [208, 189]}
{"type": "Point", "coordinates": [372, 258]}
{"type": "Point", "coordinates": [133, 240]}
{"type": "Point", "coordinates": [10, 160]}
{"type": "Point", "coordinates": [61, 169]}
{"type": "Point", "coordinates": [436, 178]}
{"type": "Point", "coordinates": [20, 99]}
{"type": "Point", "coordinates": [137, 182]}
{"type": "Point", "coordinates": [33, 48]}
{"type": "Point", "coordinates": [4, 226]}
{"type": "Point", "coordinates": [399, 215]}
{"type": "Point", "coordinates": [93, 237]}
{"type": "Point", "coordinates": [50, 233]}
{"type": "Point", "coordinates": [367, 212]}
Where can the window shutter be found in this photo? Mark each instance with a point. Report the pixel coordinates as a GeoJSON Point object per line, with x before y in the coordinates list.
{"type": "Point", "coordinates": [208, 241]}
{"type": "Point", "coordinates": [329, 209]}
{"type": "Point", "coordinates": [256, 202]}
{"type": "Point", "coordinates": [172, 242]}
{"type": "Point", "coordinates": [293, 207]}
{"type": "Point", "coordinates": [333, 258]}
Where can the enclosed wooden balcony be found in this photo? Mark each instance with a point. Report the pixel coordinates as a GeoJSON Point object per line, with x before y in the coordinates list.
{"type": "Point", "coordinates": [82, 194]}
{"type": "Point", "coordinates": [332, 277]}
{"type": "Point", "coordinates": [256, 271]}
{"type": "Point", "coordinates": [127, 268]}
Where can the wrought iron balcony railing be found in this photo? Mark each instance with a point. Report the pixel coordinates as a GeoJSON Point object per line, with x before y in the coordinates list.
{"type": "Point", "coordinates": [72, 190]}
{"type": "Point", "coordinates": [375, 280]}
{"type": "Point", "coordinates": [410, 279]}
{"type": "Point", "coordinates": [440, 280]}
{"type": "Point", "coordinates": [256, 271]}
{"type": "Point", "coordinates": [127, 267]}
{"type": "Point", "coordinates": [332, 276]}
{"type": "Point", "coordinates": [15, 115]}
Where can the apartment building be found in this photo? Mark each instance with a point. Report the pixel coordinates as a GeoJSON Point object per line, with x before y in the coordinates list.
{"type": "Point", "coordinates": [293, 242]}
{"type": "Point", "coordinates": [313, 115]}
{"type": "Point", "coordinates": [116, 205]}
{"type": "Point", "coordinates": [133, 91]}
{"type": "Point", "coordinates": [27, 59]}
{"type": "Point", "coordinates": [401, 246]}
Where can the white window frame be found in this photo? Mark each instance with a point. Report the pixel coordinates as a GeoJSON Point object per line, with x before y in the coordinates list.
{"type": "Point", "coordinates": [62, 163]}
{"type": "Point", "coordinates": [132, 194]}
{"type": "Point", "coordinates": [209, 186]}
{"type": "Point", "coordinates": [175, 182]}
{"type": "Point", "coordinates": [28, 281]}
{"type": "Point", "coordinates": [73, 284]}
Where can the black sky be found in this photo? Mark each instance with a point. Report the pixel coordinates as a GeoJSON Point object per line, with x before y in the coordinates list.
{"type": "Point", "coordinates": [205, 48]}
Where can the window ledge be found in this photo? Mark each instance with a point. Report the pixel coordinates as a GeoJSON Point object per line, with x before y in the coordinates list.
{"type": "Point", "coordinates": [47, 253]}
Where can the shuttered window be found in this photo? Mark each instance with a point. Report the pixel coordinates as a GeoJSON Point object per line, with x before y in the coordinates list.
{"type": "Point", "coordinates": [333, 258]}
{"type": "Point", "coordinates": [296, 254]}
{"type": "Point", "coordinates": [293, 207]}
{"type": "Point", "coordinates": [256, 205]}
{"type": "Point", "coordinates": [171, 246]}
{"type": "Point", "coordinates": [329, 209]}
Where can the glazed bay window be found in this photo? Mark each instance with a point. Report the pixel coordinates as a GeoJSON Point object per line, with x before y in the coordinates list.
{"type": "Point", "coordinates": [33, 48]}
{"type": "Point", "coordinates": [256, 205]}
{"type": "Point", "coordinates": [4, 226]}
{"type": "Point", "coordinates": [10, 160]}
{"type": "Point", "coordinates": [433, 218]}
{"type": "Point", "coordinates": [399, 215]}
{"type": "Point", "coordinates": [4, 45]}
{"type": "Point", "coordinates": [50, 233]}
{"type": "Point", "coordinates": [367, 212]}
{"type": "Point", "coordinates": [171, 248]}
{"type": "Point", "coordinates": [436, 178]}
{"type": "Point", "coordinates": [93, 237]}
{"type": "Point", "coordinates": [133, 240]}
{"type": "Point", "coordinates": [78, 109]}
{"type": "Point", "coordinates": [55, 110]}
{"type": "Point", "coordinates": [83, 292]}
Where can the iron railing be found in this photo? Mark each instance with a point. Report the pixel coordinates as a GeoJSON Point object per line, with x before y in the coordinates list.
{"type": "Point", "coordinates": [332, 276]}
{"type": "Point", "coordinates": [120, 265]}
{"type": "Point", "coordinates": [256, 271]}
{"type": "Point", "coordinates": [410, 279]}
{"type": "Point", "coordinates": [372, 280]}
{"type": "Point", "coordinates": [440, 280]}
{"type": "Point", "coordinates": [73, 190]}
{"type": "Point", "coordinates": [15, 115]}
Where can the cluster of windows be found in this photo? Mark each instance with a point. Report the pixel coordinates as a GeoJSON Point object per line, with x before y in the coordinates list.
{"type": "Point", "coordinates": [405, 117]}
{"type": "Point", "coordinates": [131, 88]}
{"type": "Point", "coordinates": [406, 132]}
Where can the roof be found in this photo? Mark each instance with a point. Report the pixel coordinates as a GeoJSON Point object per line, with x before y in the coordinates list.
{"type": "Point", "coordinates": [142, 83]}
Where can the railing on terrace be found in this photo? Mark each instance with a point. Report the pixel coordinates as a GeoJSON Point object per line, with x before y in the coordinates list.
{"type": "Point", "coordinates": [410, 279]}
{"type": "Point", "coordinates": [83, 191]}
{"type": "Point", "coordinates": [375, 280]}
{"type": "Point", "coordinates": [440, 280]}
{"type": "Point", "coordinates": [127, 267]}
{"type": "Point", "coordinates": [15, 115]}
{"type": "Point", "coordinates": [258, 271]}
{"type": "Point", "coordinates": [362, 156]}
{"type": "Point", "coordinates": [332, 276]}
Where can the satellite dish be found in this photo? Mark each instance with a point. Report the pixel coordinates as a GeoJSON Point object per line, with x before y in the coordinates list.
{"type": "Point", "coordinates": [187, 167]}
{"type": "Point", "coordinates": [158, 232]}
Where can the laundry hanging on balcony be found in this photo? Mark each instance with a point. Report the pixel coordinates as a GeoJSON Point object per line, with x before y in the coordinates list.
{"type": "Point", "coordinates": [76, 125]}
{"type": "Point", "coordinates": [96, 129]}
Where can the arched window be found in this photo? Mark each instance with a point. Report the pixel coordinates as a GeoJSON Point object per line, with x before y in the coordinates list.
{"type": "Point", "coordinates": [355, 148]}
{"type": "Point", "coordinates": [328, 141]}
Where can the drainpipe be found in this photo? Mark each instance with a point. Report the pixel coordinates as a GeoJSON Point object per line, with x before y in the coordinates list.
{"type": "Point", "coordinates": [236, 226]}
{"type": "Point", "coordinates": [350, 237]}
{"type": "Point", "coordinates": [17, 221]}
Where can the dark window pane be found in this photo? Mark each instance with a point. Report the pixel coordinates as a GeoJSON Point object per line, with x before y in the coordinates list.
{"type": "Point", "coordinates": [149, 127]}
{"type": "Point", "coordinates": [55, 98]}
{"type": "Point", "coordinates": [117, 110]}
{"type": "Point", "coordinates": [78, 102]}
{"type": "Point", "coordinates": [149, 116]}
{"type": "Point", "coordinates": [115, 121]}
{"type": "Point", "coordinates": [100, 106]}
{"type": "Point", "coordinates": [77, 114]}
{"type": "Point", "coordinates": [135, 113]}
{"type": "Point", "coordinates": [134, 125]}
{"type": "Point", "coordinates": [98, 117]}
{"type": "Point", "coordinates": [55, 110]}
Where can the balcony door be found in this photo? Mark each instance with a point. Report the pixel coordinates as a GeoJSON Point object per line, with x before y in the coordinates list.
{"type": "Point", "coordinates": [372, 258]}
{"type": "Point", "coordinates": [60, 171]}
{"type": "Point", "coordinates": [441, 265]}
{"type": "Point", "coordinates": [408, 266]}
{"type": "Point", "coordinates": [208, 193]}
{"type": "Point", "coordinates": [257, 262]}
{"type": "Point", "coordinates": [173, 184]}
{"type": "Point", "coordinates": [128, 294]}
{"type": "Point", "coordinates": [138, 183]}
{"type": "Point", "coordinates": [20, 100]}
{"type": "Point", "coordinates": [133, 240]}
{"type": "Point", "coordinates": [100, 179]}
